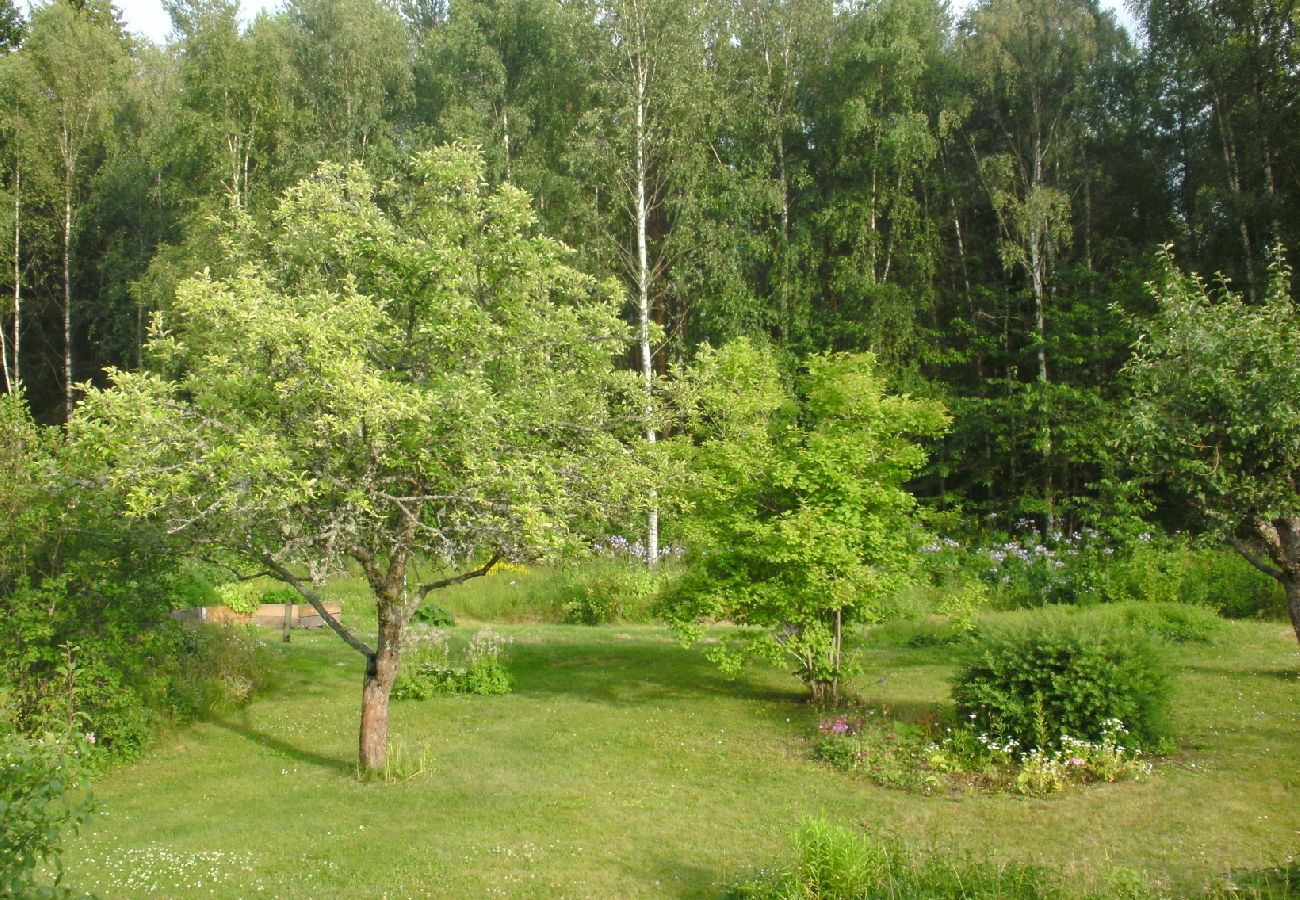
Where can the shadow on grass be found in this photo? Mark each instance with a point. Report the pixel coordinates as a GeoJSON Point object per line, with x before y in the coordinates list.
{"type": "Point", "coordinates": [1284, 674]}
{"type": "Point", "coordinates": [285, 749]}
{"type": "Point", "coordinates": [602, 671]}
{"type": "Point", "coordinates": [676, 877]}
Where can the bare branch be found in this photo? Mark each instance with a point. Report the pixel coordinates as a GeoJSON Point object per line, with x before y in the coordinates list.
{"type": "Point", "coordinates": [1253, 558]}
{"type": "Point", "coordinates": [425, 589]}
{"type": "Point", "coordinates": [317, 604]}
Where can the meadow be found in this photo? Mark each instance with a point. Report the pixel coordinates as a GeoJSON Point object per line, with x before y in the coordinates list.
{"type": "Point", "coordinates": [624, 765]}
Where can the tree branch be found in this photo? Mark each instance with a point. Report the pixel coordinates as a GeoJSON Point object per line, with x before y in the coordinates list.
{"type": "Point", "coordinates": [425, 589]}
{"type": "Point", "coordinates": [1251, 557]}
{"type": "Point", "coordinates": [317, 604]}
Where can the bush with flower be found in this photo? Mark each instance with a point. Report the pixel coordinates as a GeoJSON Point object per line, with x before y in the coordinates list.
{"type": "Point", "coordinates": [428, 667]}
{"type": "Point", "coordinates": [960, 757]}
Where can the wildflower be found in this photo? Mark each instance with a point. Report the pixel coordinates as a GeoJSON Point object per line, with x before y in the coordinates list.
{"type": "Point", "coordinates": [1077, 761]}
{"type": "Point", "coordinates": [90, 738]}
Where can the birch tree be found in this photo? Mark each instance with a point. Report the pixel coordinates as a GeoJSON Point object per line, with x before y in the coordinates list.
{"type": "Point", "coordinates": [72, 66]}
{"type": "Point", "coordinates": [641, 138]}
{"type": "Point", "coordinates": [352, 74]}
{"type": "Point", "coordinates": [1031, 60]}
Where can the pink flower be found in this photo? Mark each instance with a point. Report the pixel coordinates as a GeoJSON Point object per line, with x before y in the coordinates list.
{"type": "Point", "coordinates": [90, 737]}
{"type": "Point", "coordinates": [1076, 761]}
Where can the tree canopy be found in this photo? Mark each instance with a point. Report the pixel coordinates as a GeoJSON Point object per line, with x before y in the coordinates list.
{"type": "Point", "coordinates": [800, 524]}
{"type": "Point", "coordinates": [418, 385]}
{"type": "Point", "coordinates": [1214, 419]}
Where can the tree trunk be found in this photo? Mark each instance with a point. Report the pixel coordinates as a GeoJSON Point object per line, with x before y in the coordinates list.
{"type": "Point", "coordinates": [67, 296]}
{"type": "Point", "coordinates": [18, 290]}
{"type": "Point", "coordinates": [642, 212]}
{"type": "Point", "coordinates": [381, 671]}
{"type": "Point", "coordinates": [1229, 149]}
{"type": "Point", "coordinates": [505, 140]}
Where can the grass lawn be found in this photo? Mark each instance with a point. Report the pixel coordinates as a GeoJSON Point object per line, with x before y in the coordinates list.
{"type": "Point", "coordinates": [626, 766]}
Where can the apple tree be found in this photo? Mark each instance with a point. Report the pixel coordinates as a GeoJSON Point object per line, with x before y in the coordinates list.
{"type": "Point", "coordinates": [1214, 418]}
{"type": "Point", "coordinates": [406, 379]}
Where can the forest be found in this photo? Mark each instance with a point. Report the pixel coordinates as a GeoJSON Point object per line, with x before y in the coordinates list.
{"type": "Point", "coordinates": [979, 201]}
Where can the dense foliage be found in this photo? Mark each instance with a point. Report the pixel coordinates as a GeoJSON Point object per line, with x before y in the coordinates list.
{"type": "Point", "coordinates": [799, 522]}
{"type": "Point", "coordinates": [1214, 420]}
{"type": "Point", "coordinates": [975, 197]}
{"type": "Point", "coordinates": [87, 641]}
{"type": "Point", "coordinates": [43, 797]}
{"type": "Point", "coordinates": [1053, 677]}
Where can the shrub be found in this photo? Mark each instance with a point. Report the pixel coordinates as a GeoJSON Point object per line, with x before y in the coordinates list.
{"type": "Point", "coordinates": [609, 589]}
{"type": "Point", "coordinates": [427, 667]}
{"type": "Point", "coordinates": [1220, 579]}
{"type": "Point", "coordinates": [1055, 675]}
{"type": "Point", "coordinates": [1175, 622]}
{"type": "Point", "coordinates": [434, 615]}
{"type": "Point", "coordinates": [917, 634]}
{"type": "Point", "coordinates": [838, 864]}
{"type": "Point", "coordinates": [221, 666]}
{"type": "Point", "coordinates": [241, 597]}
{"type": "Point", "coordinates": [41, 799]}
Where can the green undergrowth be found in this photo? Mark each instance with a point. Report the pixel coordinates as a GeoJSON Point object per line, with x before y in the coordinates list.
{"type": "Point", "coordinates": [837, 863]}
{"type": "Point", "coordinates": [623, 765]}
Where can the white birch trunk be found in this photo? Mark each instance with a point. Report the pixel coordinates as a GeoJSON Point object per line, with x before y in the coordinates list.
{"type": "Point", "coordinates": [643, 290]}
{"type": "Point", "coordinates": [67, 295]}
{"type": "Point", "coordinates": [18, 286]}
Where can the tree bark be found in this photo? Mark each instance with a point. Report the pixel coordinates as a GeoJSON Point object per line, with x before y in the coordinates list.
{"type": "Point", "coordinates": [381, 672]}
{"type": "Point", "coordinates": [640, 77]}
{"type": "Point", "coordinates": [67, 296]}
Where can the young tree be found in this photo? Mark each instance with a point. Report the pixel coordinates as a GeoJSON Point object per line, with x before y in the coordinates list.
{"type": "Point", "coordinates": [642, 147]}
{"type": "Point", "coordinates": [391, 388]}
{"type": "Point", "coordinates": [800, 523]}
{"type": "Point", "coordinates": [1214, 420]}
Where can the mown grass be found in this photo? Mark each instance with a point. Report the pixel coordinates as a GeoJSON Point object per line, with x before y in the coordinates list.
{"type": "Point", "coordinates": [626, 766]}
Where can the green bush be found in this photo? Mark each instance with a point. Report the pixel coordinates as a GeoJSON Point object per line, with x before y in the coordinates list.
{"type": "Point", "coordinates": [241, 597]}
{"type": "Point", "coordinates": [917, 634]}
{"type": "Point", "coordinates": [42, 798]}
{"type": "Point", "coordinates": [427, 667]}
{"type": "Point", "coordinates": [1179, 623]}
{"type": "Point", "coordinates": [1220, 579]}
{"type": "Point", "coordinates": [434, 615]}
{"type": "Point", "coordinates": [603, 590]}
{"type": "Point", "coordinates": [1054, 675]}
{"type": "Point", "coordinates": [221, 666]}
{"type": "Point", "coordinates": [87, 640]}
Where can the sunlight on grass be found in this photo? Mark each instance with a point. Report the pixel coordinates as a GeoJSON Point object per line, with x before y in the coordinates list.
{"type": "Point", "coordinates": [626, 766]}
